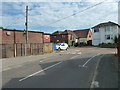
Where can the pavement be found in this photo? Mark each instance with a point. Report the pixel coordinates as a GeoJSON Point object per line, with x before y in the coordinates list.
{"type": "Point", "coordinates": [8, 63]}
{"type": "Point", "coordinates": [88, 67]}
{"type": "Point", "coordinates": [106, 74]}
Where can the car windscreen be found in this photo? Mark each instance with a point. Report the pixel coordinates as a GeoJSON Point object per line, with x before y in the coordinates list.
{"type": "Point", "coordinates": [58, 44]}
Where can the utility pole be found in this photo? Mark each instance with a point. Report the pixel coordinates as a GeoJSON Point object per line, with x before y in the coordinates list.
{"type": "Point", "coordinates": [26, 24]}
{"type": "Point", "coordinates": [26, 33]}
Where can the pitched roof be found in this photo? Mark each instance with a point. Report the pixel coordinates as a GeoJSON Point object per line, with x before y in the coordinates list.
{"type": "Point", "coordinates": [69, 32]}
{"type": "Point", "coordinates": [77, 33]}
{"type": "Point", "coordinates": [106, 24]}
{"type": "Point", "coordinates": [81, 33]}
{"type": "Point", "coordinates": [57, 32]}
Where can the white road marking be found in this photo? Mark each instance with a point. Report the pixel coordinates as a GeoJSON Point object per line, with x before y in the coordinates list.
{"type": "Point", "coordinates": [39, 71]}
{"type": "Point", "coordinates": [73, 53]}
{"type": "Point", "coordinates": [5, 69]}
{"type": "Point", "coordinates": [76, 55]}
{"type": "Point", "coordinates": [95, 84]}
{"type": "Point", "coordinates": [89, 60]}
{"type": "Point", "coordinates": [73, 57]}
{"type": "Point", "coordinates": [43, 60]}
{"type": "Point", "coordinates": [82, 66]}
{"type": "Point", "coordinates": [79, 53]}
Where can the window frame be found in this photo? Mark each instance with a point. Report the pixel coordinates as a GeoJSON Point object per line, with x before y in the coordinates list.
{"type": "Point", "coordinates": [106, 37]}
{"type": "Point", "coordinates": [54, 36]}
{"type": "Point", "coordinates": [63, 36]}
{"type": "Point", "coordinates": [96, 30]}
{"type": "Point", "coordinates": [108, 28]}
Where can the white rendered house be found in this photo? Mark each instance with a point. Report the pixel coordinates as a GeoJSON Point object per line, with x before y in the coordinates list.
{"type": "Point", "coordinates": [104, 33]}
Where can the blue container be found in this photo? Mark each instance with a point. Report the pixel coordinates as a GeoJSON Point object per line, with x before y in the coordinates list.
{"type": "Point", "coordinates": [54, 46]}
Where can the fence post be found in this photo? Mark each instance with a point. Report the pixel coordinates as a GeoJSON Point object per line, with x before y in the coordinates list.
{"type": "Point", "coordinates": [5, 50]}
{"type": "Point", "coordinates": [15, 49]}
{"type": "Point", "coordinates": [0, 51]}
{"type": "Point", "coordinates": [38, 47]}
{"type": "Point", "coordinates": [21, 49]}
{"type": "Point", "coordinates": [43, 47]}
{"type": "Point", "coordinates": [52, 47]}
{"type": "Point", "coordinates": [30, 49]}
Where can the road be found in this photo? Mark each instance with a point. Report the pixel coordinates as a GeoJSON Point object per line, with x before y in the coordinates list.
{"type": "Point", "coordinates": [75, 68]}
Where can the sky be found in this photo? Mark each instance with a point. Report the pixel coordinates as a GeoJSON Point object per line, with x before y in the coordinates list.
{"type": "Point", "coordinates": [42, 15]}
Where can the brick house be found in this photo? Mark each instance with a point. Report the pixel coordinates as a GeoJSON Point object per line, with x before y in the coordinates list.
{"type": "Point", "coordinates": [66, 36]}
{"type": "Point", "coordinates": [12, 36]}
{"type": "Point", "coordinates": [72, 36]}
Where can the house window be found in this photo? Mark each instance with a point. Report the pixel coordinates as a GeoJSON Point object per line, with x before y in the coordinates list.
{"type": "Point", "coordinates": [111, 36]}
{"type": "Point", "coordinates": [107, 37]}
{"type": "Point", "coordinates": [96, 30]}
{"type": "Point", "coordinates": [107, 28]}
{"type": "Point", "coordinates": [63, 36]}
{"type": "Point", "coordinates": [54, 36]}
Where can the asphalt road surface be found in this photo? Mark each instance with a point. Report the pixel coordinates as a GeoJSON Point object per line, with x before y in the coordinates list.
{"type": "Point", "coordinates": [75, 68]}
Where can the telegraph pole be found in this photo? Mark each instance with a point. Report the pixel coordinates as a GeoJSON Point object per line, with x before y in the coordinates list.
{"type": "Point", "coordinates": [26, 24]}
{"type": "Point", "coordinates": [26, 33]}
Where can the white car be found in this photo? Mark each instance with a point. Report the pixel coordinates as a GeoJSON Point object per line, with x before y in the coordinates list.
{"type": "Point", "coordinates": [62, 46]}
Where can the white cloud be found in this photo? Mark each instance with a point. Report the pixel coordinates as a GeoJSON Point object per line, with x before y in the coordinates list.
{"type": "Point", "coordinates": [101, 1]}
{"type": "Point", "coordinates": [42, 13]}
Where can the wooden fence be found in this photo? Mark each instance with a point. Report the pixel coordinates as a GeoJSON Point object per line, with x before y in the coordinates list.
{"type": "Point", "coordinates": [14, 50]}
{"type": "Point", "coordinates": [48, 47]}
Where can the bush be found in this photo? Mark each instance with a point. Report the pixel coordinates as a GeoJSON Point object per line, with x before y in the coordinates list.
{"type": "Point", "coordinates": [109, 45]}
{"type": "Point", "coordinates": [106, 44]}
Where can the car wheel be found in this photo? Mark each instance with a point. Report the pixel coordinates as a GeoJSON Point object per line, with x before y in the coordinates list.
{"type": "Point", "coordinates": [66, 48]}
{"type": "Point", "coordinates": [59, 48]}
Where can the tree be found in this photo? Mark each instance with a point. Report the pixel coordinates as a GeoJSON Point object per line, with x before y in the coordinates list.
{"type": "Point", "coordinates": [115, 42]}
{"type": "Point", "coordinates": [115, 39]}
